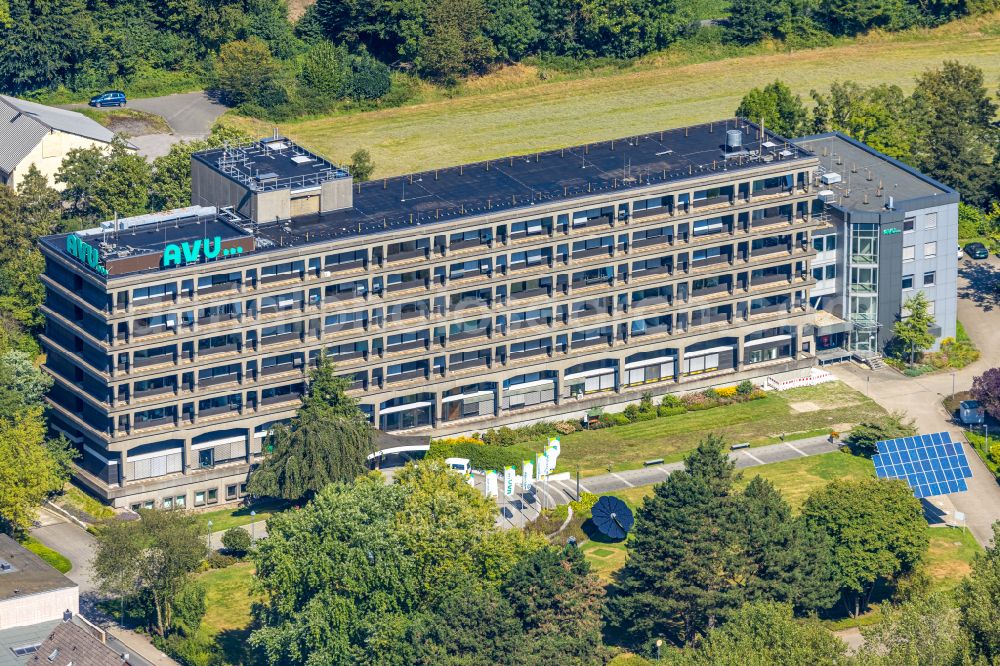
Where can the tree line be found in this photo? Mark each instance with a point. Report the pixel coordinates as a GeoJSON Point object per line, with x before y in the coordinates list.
{"type": "Point", "coordinates": [370, 51]}
{"type": "Point", "coordinates": [945, 128]}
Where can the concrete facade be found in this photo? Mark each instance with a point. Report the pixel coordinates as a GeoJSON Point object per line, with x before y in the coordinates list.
{"type": "Point", "coordinates": [169, 379]}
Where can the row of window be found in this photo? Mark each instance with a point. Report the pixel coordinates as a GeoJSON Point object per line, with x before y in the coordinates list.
{"type": "Point", "coordinates": [206, 497]}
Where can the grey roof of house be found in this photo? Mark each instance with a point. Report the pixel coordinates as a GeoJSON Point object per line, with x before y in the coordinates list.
{"type": "Point", "coordinates": [69, 644]}
{"type": "Point", "coordinates": [28, 574]}
{"type": "Point", "coordinates": [24, 123]}
{"type": "Point", "coordinates": [19, 637]}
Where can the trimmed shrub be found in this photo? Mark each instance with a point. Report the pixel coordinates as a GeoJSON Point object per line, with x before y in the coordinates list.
{"type": "Point", "coordinates": [670, 411]}
{"type": "Point", "coordinates": [727, 392]}
{"type": "Point", "coordinates": [995, 453]}
{"type": "Point", "coordinates": [631, 412]}
{"type": "Point", "coordinates": [745, 388]}
{"type": "Point", "coordinates": [219, 561]}
{"type": "Point", "coordinates": [236, 541]}
{"type": "Point", "coordinates": [586, 503]}
{"type": "Point", "coordinates": [671, 400]}
{"type": "Point", "coordinates": [614, 419]}
{"type": "Point", "coordinates": [567, 427]}
{"type": "Point", "coordinates": [646, 416]}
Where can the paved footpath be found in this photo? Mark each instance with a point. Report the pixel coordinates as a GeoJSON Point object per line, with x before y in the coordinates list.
{"type": "Point", "coordinates": [524, 506]}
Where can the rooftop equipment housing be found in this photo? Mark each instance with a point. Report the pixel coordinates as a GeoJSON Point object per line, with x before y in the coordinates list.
{"type": "Point", "coordinates": [268, 180]}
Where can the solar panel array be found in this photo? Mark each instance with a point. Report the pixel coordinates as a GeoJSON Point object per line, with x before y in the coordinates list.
{"type": "Point", "coordinates": [931, 464]}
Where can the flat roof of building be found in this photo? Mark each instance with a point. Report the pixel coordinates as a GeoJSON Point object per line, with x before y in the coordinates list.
{"type": "Point", "coordinates": [271, 163]}
{"type": "Point", "coordinates": [522, 181]}
{"type": "Point", "coordinates": [868, 177]}
{"type": "Point", "coordinates": [501, 185]}
{"type": "Point", "coordinates": [28, 574]}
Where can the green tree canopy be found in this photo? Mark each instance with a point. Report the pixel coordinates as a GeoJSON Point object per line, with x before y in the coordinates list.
{"type": "Point", "coordinates": [766, 633]}
{"type": "Point", "coordinates": [877, 529]}
{"type": "Point", "coordinates": [923, 631]}
{"type": "Point", "coordinates": [329, 440]}
{"type": "Point", "coordinates": [877, 116]}
{"type": "Point", "coordinates": [912, 331]}
{"type": "Point", "coordinates": [781, 111]}
{"type": "Point", "coordinates": [957, 140]}
{"type": "Point", "coordinates": [700, 549]}
{"type": "Point", "coordinates": [153, 556]}
{"type": "Point", "coordinates": [28, 471]}
{"type": "Point", "coordinates": [101, 184]}
{"type": "Point", "coordinates": [246, 71]}
{"type": "Point", "coordinates": [867, 434]}
{"type": "Point", "coordinates": [412, 572]}
{"type": "Point", "coordinates": [977, 602]}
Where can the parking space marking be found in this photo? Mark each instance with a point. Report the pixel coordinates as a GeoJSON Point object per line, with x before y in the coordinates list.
{"type": "Point", "coordinates": [753, 457]}
{"type": "Point", "coordinates": [797, 450]}
{"type": "Point", "coordinates": [623, 480]}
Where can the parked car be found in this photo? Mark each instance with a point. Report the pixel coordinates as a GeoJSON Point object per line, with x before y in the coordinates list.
{"type": "Point", "coordinates": [976, 251]}
{"type": "Point", "coordinates": [970, 412]}
{"type": "Point", "coordinates": [109, 98]}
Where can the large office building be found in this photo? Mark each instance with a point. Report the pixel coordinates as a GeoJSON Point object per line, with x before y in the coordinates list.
{"type": "Point", "coordinates": [458, 299]}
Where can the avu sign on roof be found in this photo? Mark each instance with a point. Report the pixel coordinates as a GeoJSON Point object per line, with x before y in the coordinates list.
{"type": "Point", "coordinates": [180, 254]}
{"type": "Point", "coordinates": [85, 253]}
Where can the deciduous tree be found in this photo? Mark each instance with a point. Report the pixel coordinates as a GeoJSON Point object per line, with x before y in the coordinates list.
{"type": "Point", "coordinates": [986, 389]}
{"type": "Point", "coordinates": [957, 140]}
{"type": "Point", "coordinates": [768, 633]}
{"type": "Point", "coordinates": [877, 529]}
{"type": "Point", "coordinates": [923, 631]}
{"type": "Point", "coordinates": [781, 111]}
{"type": "Point", "coordinates": [977, 602]}
{"type": "Point", "coordinates": [153, 556]}
{"type": "Point", "coordinates": [867, 434]}
{"type": "Point", "coordinates": [28, 473]}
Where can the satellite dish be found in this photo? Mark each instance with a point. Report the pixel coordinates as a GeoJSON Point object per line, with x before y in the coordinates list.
{"type": "Point", "coordinates": [612, 516]}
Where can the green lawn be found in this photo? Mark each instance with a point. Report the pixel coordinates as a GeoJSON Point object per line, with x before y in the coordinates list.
{"type": "Point", "coordinates": [77, 499]}
{"type": "Point", "coordinates": [223, 519]}
{"type": "Point", "coordinates": [810, 410]}
{"type": "Point", "coordinates": [227, 603]}
{"type": "Point", "coordinates": [54, 558]}
{"type": "Point", "coordinates": [950, 555]}
{"type": "Point", "coordinates": [515, 111]}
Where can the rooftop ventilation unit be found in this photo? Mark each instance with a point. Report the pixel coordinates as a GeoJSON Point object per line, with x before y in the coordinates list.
{"type": "Point", "coordinates": [734, 139]}
{"type": "Point", "coordinates": [830, 178]}
{"type": "Point", "coordinates": [827, 196]}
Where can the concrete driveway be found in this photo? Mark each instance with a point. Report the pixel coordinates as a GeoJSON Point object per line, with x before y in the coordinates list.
{"type": "Point", "coordinates": [920, 397]}
{"type": "Point", "coordinates": [190, 116]}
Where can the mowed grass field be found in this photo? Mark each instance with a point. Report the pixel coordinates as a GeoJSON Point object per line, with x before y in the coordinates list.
{"type": "Point", "coordinates": [531, 115]}
{"type": "Point", "coordinates": [817, 408]}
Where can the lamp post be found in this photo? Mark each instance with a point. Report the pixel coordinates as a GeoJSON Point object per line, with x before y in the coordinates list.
{"type": "Point", "coordinates": [953, 385]}
{"type": "Point", "coordinates": [208, 535]}
{"type": "Point", "coordinates": [253, 526]}
{"type": "Point", "coordinates": [659, 644]}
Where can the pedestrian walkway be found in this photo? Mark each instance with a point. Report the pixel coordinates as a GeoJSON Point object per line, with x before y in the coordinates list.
{"type": "Point", "coordinates": [525, 506]}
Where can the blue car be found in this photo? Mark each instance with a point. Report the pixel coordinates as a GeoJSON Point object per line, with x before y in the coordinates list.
{"type": "Point", "coordinates": [110, 98]}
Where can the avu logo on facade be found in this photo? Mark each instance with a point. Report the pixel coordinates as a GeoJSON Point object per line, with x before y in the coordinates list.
{"type": "Point", "coordinates": [85, 253]}
{"type": "Point", "coordinates": [891, 230]}
{"type": "Point", "coordinates": [188, 253]}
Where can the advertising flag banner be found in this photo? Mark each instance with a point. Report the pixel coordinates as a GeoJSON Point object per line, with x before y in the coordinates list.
{"type": "Point", "coordinates": [508, 480]}
{"type": "Point", "coordinates": [527, 469]}
{"type": "Point", "coordinates": [491, 483]}
{"type": "Point", "coordinates": [543, 466]}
